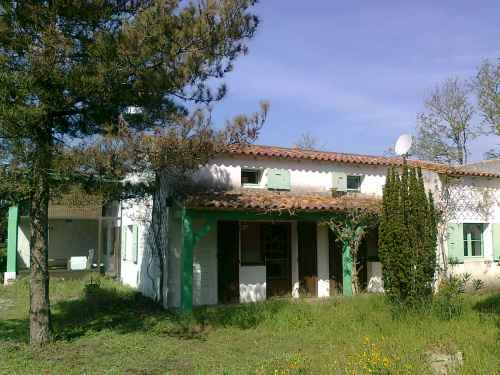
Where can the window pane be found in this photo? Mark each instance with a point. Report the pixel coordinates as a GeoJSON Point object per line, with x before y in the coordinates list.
{"type": "Point", "coordinates": [474, 230]}
{"type": "Point", "coordinates": [476, 248]}
{"type": "Point", "coordinates": [251, 250]}
{"type": "Point", "coordinates": [250, 176]}
{"type": "Point", "coordinates": [353, 182]}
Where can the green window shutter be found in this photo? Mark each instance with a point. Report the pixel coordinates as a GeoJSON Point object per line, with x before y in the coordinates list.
{"type": "Point", "coordinates": [135, 243]}
{"type": "Point", "coordinates": [278, 179]}
{"type": "Point", "coordinates": [455, 242]}
{"type": "Point", "coordinates": [124, 243]}
{"type": "Point", "coordinates": [339, 181]}
{"type": "Point", "coordinates": [496, 241]}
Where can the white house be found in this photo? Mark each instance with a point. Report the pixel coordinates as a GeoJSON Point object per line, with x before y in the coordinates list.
{"type": "Point", "coordinates": [256, 228]}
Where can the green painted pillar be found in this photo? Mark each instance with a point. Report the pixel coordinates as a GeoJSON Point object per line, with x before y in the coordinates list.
{"type": "Point", "coordinates": [187, 263]}
{"type": "Point", "coordinates": [346, 270]}
{"type": "Point", "coordinates": [13, 227]}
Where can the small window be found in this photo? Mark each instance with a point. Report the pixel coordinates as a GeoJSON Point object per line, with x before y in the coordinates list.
{"type": "Point", "coordinates": [251, 246]}
{"type": "Point", "coordinates": [250, 177]}
{"type": "Point", "coordinates": [354, 183]}
{"type": "Point", "coordinates": [473, 240]}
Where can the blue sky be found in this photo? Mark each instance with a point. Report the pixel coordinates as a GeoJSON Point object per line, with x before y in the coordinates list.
{"type": "Point", "coordinates": [355, 73]}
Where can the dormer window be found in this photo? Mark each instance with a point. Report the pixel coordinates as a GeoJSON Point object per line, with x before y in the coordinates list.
{"type": "Point", "coordinates": [250, 177]}
{"type": "Point", "coordinates": [354, 184]}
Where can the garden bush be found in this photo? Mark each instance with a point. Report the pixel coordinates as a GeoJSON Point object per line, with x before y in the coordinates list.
{"type": "Point", "coordinates": [449, 301]}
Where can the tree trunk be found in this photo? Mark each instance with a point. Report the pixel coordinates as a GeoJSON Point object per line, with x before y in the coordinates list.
{"type": "Point", "coordinates": [354, 273]}
{"type": "Point", "coordinates": [40, 318]}
{"type": "Point", "coordinates": [159, 223]}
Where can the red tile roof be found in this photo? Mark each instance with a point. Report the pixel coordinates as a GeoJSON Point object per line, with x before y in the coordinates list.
{"type": "Point", "coordinates": [338, 157]}
{"type": "Point", "coordinates": [287, 202]}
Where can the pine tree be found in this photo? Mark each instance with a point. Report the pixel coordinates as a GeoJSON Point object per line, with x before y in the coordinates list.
{"type": "Point", "coordinates": [70, 69]}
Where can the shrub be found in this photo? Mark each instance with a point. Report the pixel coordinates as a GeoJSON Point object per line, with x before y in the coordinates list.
{"type": "Point", "coordinates": [449, 301]}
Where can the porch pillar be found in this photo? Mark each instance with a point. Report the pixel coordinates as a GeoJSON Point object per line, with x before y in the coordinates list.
{"type": "Point", "coordinates": [187, 263]}
{"type": "Point", "coordinates": [99, 244]}
{"type": "Point", "coordinates": [190, 239]}
{"type": "Point", "coordinates": [12, 233]}
{"type": "Point", "coordinates": [346, 270]}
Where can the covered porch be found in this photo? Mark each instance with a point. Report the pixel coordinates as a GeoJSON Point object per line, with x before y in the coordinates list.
{"type": "Point", "coordinates": [247, 246]}
{"type": "Point", "coordinates": [80, 239]}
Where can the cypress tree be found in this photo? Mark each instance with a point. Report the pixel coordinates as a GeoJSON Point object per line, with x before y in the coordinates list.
{"type": "Point", "coordinates": [407, 238]}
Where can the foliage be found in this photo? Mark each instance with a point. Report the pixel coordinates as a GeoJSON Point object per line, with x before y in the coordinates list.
{"type": "Point", "coordinates": [407, 238]}
{"type": "Point", "coordinates": [123, 332]}
{"type": "Point", "coordinates": [446, 128]}
{"type": "Point", "coordinates": [350, 229]}
{"type": "Point", "coordinates": [487, 87]}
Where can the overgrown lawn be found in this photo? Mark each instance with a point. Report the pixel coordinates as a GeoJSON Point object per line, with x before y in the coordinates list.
{"type": "Point", "coordinates": [113, 330]}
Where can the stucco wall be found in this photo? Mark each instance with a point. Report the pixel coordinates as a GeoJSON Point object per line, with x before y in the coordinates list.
{"type": "Point", "coordinates": [305, 175]}
{"type": "Point", "coordinates": [144, 275]}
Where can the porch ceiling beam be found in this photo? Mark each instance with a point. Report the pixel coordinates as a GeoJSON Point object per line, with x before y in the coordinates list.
{"type": "Point", "coordinates": [249, 216]}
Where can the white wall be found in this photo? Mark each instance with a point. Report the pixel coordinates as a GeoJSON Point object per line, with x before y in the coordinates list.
{"type": "Point", "coordinates": [252, 283]}
{"type": "Point", "coordinates": [374, 276]}
{"type": "Point", "coordinates": [305, 175]}
{"type": "Point", "coordinates": [143, 274]}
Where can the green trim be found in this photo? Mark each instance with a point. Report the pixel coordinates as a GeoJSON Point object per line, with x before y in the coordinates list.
{"type": "Point", "coordinates": [190, 239]}
{"type": "Point", "coordinates": [346, 270]}
{"type": "Point", "coordinates": [12, 233]}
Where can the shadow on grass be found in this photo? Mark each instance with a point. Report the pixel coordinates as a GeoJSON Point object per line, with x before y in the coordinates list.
{"type": "Point", "coordinates": [490, 305]}
{"type": "Point", "coordinates": [124, 311]}
{"type": "Point", "coordinates": [14, 330]}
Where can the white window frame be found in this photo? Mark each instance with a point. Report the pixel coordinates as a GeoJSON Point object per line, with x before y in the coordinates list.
{"type": "Point", "coordinates": [469, 241]}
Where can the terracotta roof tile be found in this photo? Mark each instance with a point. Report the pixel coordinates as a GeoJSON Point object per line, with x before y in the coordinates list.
{"type": "Point", "coordinates": [272, 201]}
{"type": "Point", "coordinates": [338, 157]}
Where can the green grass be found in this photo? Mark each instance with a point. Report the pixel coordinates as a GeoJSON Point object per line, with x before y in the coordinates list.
{"type": "Point", "coordinates": [113, 330]}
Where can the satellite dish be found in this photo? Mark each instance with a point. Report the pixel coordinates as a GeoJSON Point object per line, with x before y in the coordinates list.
{"type": "Point", "coordinates": [403, 144]}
